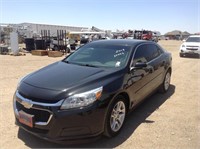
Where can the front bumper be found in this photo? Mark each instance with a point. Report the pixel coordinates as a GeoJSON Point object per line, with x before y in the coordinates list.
{"type": "Point", "coordinates": [53, 124]}
{"type": "Point", "coordinates": [190, 51]}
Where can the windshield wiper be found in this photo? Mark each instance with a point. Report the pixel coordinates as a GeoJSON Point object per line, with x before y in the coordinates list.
{"type": "Point", "coordinates": [65, 61]}
{"type": "Point", "coordinates": [89, 65]}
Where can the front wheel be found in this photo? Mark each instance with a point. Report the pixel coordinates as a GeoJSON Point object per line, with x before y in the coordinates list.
{"type": "Point", "coordinates": [166, 83]}
{"type": "Point", "coordinates": [115, 117]}
{"type": "Point", "coordinates": [180, 54]}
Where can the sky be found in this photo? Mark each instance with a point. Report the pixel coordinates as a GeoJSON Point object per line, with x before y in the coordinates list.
{"type": "Point", "coordinates": [156, 15]}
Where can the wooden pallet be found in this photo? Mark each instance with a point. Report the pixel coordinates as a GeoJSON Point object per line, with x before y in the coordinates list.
{"type": "Point", "coordinates": [39, 52]}
{"type": "Point", "coordinates": [55, 53]}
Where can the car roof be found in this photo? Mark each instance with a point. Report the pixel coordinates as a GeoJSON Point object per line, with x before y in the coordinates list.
{"type": "Point", "coordinates": [125, 42]}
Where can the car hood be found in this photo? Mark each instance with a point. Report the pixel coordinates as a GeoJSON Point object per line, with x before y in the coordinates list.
{"type": "Point", "coordinates": [62, 76]}
{"type": "Point", "coordinates": [191, 43]}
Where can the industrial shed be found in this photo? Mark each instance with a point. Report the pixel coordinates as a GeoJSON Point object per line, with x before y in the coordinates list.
{"type": "Point", "coordinates": [177, 35]}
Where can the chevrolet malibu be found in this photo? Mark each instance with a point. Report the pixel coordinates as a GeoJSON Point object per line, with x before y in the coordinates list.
{"type": "Point", "coordinates": [90, 92]}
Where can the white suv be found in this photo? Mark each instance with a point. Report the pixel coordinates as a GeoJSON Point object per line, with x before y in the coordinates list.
{"type": "Point", "coordinates": [191, 46]}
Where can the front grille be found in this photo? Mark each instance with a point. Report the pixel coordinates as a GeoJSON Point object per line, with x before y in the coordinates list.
{"type": "Point", "coordinates": [192, 48]}
{"type": "Point", "coordinates": [39, 115]}
{"type": "Point", "coordinates": [38, 100]}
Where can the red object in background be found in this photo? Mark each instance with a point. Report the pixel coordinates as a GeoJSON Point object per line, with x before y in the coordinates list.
{"type": "Point", "coordinates": [147, 35]}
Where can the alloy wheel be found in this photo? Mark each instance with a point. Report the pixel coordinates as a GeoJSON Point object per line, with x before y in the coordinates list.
{"type": "Point", "coordinates": [167, 81]}
{"type": "Point", "coordinates": [117, 116]}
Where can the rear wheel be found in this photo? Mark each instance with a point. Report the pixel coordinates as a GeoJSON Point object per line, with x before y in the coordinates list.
{"type": "Point", "coordinates": [115, 117]}
{"type": "Point", "coordinates": [166, 83]}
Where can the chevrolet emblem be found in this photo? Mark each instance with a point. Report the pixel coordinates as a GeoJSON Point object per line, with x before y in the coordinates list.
{"type": "Point", "coordinates": [26, 104]}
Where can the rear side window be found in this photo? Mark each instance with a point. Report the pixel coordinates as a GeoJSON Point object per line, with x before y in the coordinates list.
{"type": "Point", "coordinates": [146, 53]}
{"type": "Point", "coordinates": [160, 50]}
{"type": "Point", "coordinates": [153, 50]}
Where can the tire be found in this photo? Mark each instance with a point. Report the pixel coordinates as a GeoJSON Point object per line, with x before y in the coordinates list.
{"type": "Point", "coordinates": [166, 83]}
{"type": "Point", "coordinates": [116, 116]}
{"type": "Point", "coordinates": [180, 54]}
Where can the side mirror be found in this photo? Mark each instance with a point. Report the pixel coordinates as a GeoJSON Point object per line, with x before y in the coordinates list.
{"type": "Point", "coordinates": [184, 40]}
{"type": "Point", "coordinates": [140, 65]}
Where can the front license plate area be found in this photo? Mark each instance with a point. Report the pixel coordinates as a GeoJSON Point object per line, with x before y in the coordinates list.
{"type": "Point", "coordinates": [26, 118]}
{"type": "Point", "coordinates": [191, 52]}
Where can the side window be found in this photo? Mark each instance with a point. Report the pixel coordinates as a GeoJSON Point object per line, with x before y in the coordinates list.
{"type": "Point", "coordinates": [146, 53]}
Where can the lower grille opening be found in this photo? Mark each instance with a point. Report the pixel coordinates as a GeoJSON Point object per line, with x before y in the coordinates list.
{"type": "Point", "coordinates": [35, 130]}
{"type": "Point", "coordinates": [39, 115]}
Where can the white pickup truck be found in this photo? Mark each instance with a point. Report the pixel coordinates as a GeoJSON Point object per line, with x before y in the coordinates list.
{"type": "Point", "coordinates": [64, 44]}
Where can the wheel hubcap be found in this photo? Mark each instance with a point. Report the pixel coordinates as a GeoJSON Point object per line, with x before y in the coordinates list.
{"type": "Point", "coordinates": [167, 81]}
{"type": "Point", "coordinates": [117, 116]}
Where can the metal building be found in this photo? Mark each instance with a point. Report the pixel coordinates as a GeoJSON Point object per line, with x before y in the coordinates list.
{"type": "Point", "coordinates": [32, 29]}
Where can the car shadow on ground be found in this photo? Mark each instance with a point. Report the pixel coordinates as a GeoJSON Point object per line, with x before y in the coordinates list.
{"type": "Point", "coordinates": [134, 119]}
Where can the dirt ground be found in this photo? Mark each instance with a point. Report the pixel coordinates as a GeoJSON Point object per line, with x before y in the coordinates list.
{"type": "Point", "coordinates": [164, 121]}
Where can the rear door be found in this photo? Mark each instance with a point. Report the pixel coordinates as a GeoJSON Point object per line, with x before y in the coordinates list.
{"type": "Point", "coordinates": [157, 62]}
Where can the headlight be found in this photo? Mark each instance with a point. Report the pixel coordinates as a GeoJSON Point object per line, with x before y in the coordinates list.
{"type": "Point", "coordinates": [82, 99]}
{"type": "Point", "coordinates": [183, 45]}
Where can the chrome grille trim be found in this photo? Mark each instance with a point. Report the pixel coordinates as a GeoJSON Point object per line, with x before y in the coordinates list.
{"type": "Point", "coordinates": [21, 99]}
{"type": "Point", "coordinates": [44, 123]}
{"type": "Point", "coordinates": [24, 101]}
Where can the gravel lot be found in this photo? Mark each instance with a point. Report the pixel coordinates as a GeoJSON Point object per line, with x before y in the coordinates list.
{"type": "Point", "coordinates": [170, 120]}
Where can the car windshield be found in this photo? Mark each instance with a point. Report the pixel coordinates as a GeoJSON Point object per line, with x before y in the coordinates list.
{"type": "Point", "coordinates": [100, 55]}
{"type": "Point", "coordinates": [193, 39]}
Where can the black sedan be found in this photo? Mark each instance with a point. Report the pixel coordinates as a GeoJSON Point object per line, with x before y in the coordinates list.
{"type": "Point", "coordinates": [90, 92]}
